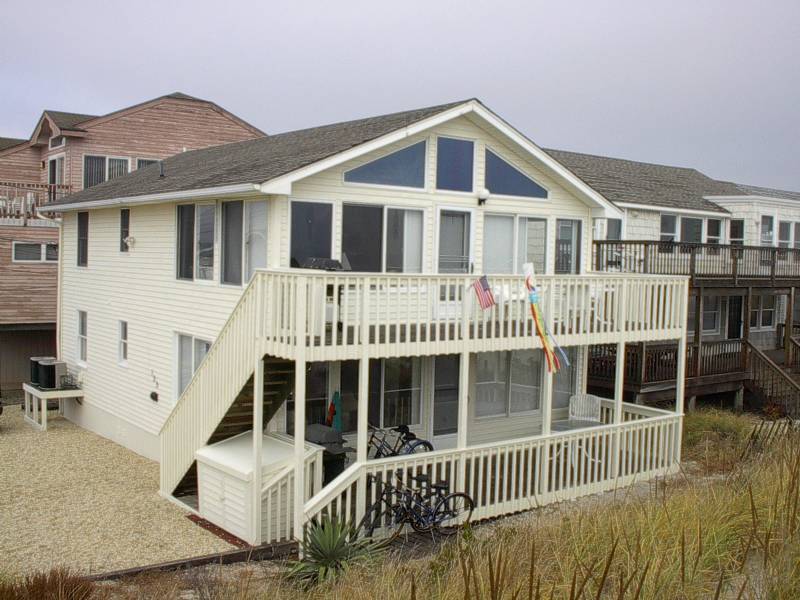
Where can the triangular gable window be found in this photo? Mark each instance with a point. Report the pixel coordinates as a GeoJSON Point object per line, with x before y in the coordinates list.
{"type": "Point", "coordinates": [506, 180]}
{"type": "Point", "coordinates": [405, 168]}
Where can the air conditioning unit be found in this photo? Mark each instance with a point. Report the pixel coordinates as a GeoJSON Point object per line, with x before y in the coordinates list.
{"type": "Point", "coordinates": [50, 374]}
{"type": "Point", "coordinates": [35, 367]}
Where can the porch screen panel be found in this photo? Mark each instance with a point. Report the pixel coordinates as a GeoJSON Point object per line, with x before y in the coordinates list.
{"type": "Point", "coordinates": [185, 242]}
{"type": "Point", "coordinates": [445, 394]}
{"type": "Point", "coordinates": [232, 221]}
{"type": "Point", "coordinates": [498, 244]}
{"type": "Point", "coordinates": [565, 381]}
{"type": "Point", "coordinates": [256, 239]}
{"type": "Point", "coordinates": [362, 235]}
{"type": "Point", "coordinates": [311, 231]}
{"type": "Point", "coordinates": [532, 244]}
{"type": "Point", "coordinates": [491, 384]}
{"type": "Point", "coordinates": [94, 170]}
{"type": "Point", "coordinates": [402, 391]}
{"type": "Point", "coordinates": [526, 380]}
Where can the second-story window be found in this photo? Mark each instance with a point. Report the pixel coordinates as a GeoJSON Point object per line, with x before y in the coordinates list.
{"type": "Point", "coordinates": [736, 229]}
{"type": "Point", "coordinates": [454, 164]}
{"type": "Point", "coordinates": [83, 239]}
{"type": "Point", "coordinates": [511, 241]}
{"type": "Point", "coordinates": [669, 228]}
{"type": "Point", "coordinates": [232, 223]}
{"type": "Point", "coordinates": [713, 231]}
{"type": "Point", "coordinates": [97, 169]}
{"type": "Point", "coordinates": [141, 163]}
{"type": "Point", "coordinates": [311, 232]}
{"type": "Point", "coordinates": [402, 168]}
{"type": "Point", "coordinates": [784, 234]}
{"type": "Point", "coordinates": [364, 248]}
{"type": "Point", "coordinates": [34, 252]}
{"type": "Point", "coordinates": [767, 230]}
{"type": "Point", "coordinates": [613, 229]}
{"type": "Point", "coordinates": [124, 228]}
{"type": "Point", "coordinates": [505, 179]}
{"type": "Point", "coordinates": [195, 241]}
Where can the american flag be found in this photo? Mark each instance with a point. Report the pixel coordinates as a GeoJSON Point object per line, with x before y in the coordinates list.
{"type": "Point", "coordinates": [484, 293]}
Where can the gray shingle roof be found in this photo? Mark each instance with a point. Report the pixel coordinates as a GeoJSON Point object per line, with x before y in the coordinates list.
{"type": "Point", "coordinates": [634, 182]}
{"type": "Point", "coordinates": [67, 120]}
{"type": "Point", "coordinates": [6, 142]}
{"type": "Point", "coordinates": [755, 190]}
{"type": "Point", "coordinates": [252, 161]}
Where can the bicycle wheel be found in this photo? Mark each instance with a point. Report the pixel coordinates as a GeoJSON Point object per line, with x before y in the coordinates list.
{"type": "Point", "coordinates": [417, 447]}
{"type": "Point", "coordinates": [452, 513]}
{"type": "Point", "coordinates": [382, 521]}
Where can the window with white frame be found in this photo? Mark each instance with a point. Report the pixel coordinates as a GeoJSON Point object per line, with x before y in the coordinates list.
{"type": "Point", "coordinates": [195, 241]}
{"type": "Point", "coordinates": [395, 391]}
{"type": "Point", "coordinates": [797, 236]}
{"type": "Point", "coordinates": [713, 231]}
{"type": "Point", "coordinates": [508, 382]}
{"type": "Point", "coordinates": [767, 230]}
{"type": "Point", "coordinates": [510, 241]}
{"type": "Point", "coordinates": [401, 168]}
{"type": "Point", "coordinates": [55, 170]}
{"type": "Point", "coordinates": [762, 312]}
{"type": "Point", "coordinates": [97, 169]}
{"type": "Point", "coordinates": [613, 229]}
{"type": "Point", "coordinates": [141, 163]}
{"type": "Point", "coordinates": [34, 252]}
{"type": "Point", "coordinates": [57, 141]}
{"type": "Point", "coordinates": [122, 349]}
{"type": "Point", "coordinates": [124, 228]}
{"type": "Point", "coordinates": [669, 228]}
{"type": "Point", "coordinates": [83, 336]}
{"type": "Point", "coordinates": [710, 317]}
{"type": "Point", "coordinates": [455, 159]}
{"type": "Point", "coordinates": [736, 230]}
{"type": "Point", "coordinates": [504, 179]}
{"type": "Point", "coordinates": [784, 237]}
{"type": "Point", "coordinates": [191, 352]}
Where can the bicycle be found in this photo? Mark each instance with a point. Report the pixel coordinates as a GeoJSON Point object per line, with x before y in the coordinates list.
{"type": "Point", "coordinates": [434, 510]}
{"type": "Point", "coordinates": [405, 442]}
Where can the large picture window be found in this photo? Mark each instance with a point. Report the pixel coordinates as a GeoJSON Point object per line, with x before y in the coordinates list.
{"type": "Point", "coordinates": [404, 168]}
{"type": "Point", "coordinates": [363, 247]}
{"type": "Point", "coordinates": [454, 164]}
{"type": "Point", "coordinates": [506, 180]}
{"type": "Point", "coordinates": [511, 241]}
{"type": "Point", "coordinates": [508, 382]}
{"type": "Point", "coordinates": [311, 232]}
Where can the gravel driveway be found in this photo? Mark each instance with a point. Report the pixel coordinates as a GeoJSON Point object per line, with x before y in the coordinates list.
{"type": "Point", "coordinates": [70, 497]}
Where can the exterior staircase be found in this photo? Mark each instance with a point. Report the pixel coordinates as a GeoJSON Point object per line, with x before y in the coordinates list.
{"type": "Point", "coordinates": [775, 386]}
{"type": "Point", "coordinates": [278, 385]}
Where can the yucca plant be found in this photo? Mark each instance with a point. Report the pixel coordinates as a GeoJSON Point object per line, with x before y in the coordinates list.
{"type": "Point", "coordinates": [329, 548]}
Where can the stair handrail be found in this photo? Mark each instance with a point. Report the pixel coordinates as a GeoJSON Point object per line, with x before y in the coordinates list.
{"type": "Point", "coordinates": [775, 369]}
{"type": "Point", "coordinates": [333, 490]}
{"type": "Point", "coordinates": [794, 353]}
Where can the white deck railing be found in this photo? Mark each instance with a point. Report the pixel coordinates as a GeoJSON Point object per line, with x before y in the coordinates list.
{"type": "Point", "coordinates": [336, 315]}
{"type": "Point", "coordinates": [339, 316]}
{"type": "Point", "coordinates": [521, 474]}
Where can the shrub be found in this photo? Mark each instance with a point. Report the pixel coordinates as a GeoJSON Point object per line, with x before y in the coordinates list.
{"type": "Point", "coordinates": [330, 548]}
{"type": "Point", "coordinates": [56, 584]}
{"type": "Point", "coordinates": [715, 438]}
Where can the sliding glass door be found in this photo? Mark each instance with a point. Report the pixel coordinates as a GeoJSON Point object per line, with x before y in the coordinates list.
{"type": "Point", "coordinates": [568, 246]}
{"type": "Point", "coordinates": [312, 224]}
{"type": "Point", "coordinates": [454, 242]}
{"type": "Point", "coordinates": [380, 239]}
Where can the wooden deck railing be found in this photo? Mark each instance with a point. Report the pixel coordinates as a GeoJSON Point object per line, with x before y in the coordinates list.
{"type": "Point", "coordinates": [699, 261]}
{"type": "Point", "coordinates": [776, 388]}
{"type": "Point", "coordinates": [794, 355]}
{"type": "Point", "coordinates": [21, 199]}
{"type": "Point", "coordinates": [516, 475]}
{"type": "Point", "coordinates": [660, 361]}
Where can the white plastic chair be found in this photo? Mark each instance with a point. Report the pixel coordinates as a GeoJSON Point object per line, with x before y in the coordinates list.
{"type": "Point", "coordinates": [584, 407]}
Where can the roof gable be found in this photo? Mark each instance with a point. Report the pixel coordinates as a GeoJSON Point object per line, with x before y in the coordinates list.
{"type": "Point", "coordinates": [6, 142]}
{"type": "Point", "coordinates": [273, 163]}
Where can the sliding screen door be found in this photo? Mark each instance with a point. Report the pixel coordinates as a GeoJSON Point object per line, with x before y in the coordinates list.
{"type": "Point", "coordinates": [454, 247]}
{"type": "Point", "coordinates": [403, 241]}
{"type": "Point", "coordinates": [498, 245]}
{"type": "Point", "coordinates": [362, 237]}
{"type": "Point", "coordinates": [311, 231]}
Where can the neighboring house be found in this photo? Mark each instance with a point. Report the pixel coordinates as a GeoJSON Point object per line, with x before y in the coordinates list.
{"type": "Point", "coordinates": [728, 237]}
{"type": "Point", "coordinates": [68, 152]}
{"type": "Point", "coordinates": [208, 327]}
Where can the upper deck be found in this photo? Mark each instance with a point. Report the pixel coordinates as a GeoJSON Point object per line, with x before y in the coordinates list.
{"type": "Point", "coordinates": [336, 316]}
{"type": "Point", "coordinates": [707, 265]}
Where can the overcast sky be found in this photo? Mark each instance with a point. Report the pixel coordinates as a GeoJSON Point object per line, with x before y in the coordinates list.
{"type": "Point", "coordinates": [709, 84]}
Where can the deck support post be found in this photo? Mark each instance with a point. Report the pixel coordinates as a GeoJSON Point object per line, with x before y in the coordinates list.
{"type": "Point", "coordinates": [698, 332]}
{"type": "Point", "coordinates": [362, 431]}
{"type": "Point", "coordinates": [680, 381]}
{"type": "Point", "coordinates": [547, 419]}
{"type": "Point", "coordinates": [619, 393]}
{"type": "Point", "coordinates": [463, 418]}
{"type": "Point", "coordinates": [299, 496]}
{"type": "Point", "coordinates": [789, 326]}
{"type": "Point", "coordinates": [258, 442]}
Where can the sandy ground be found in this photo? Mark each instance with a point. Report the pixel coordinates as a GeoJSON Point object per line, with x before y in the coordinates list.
{"type": "Point", "coordinates": [69, 497]}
